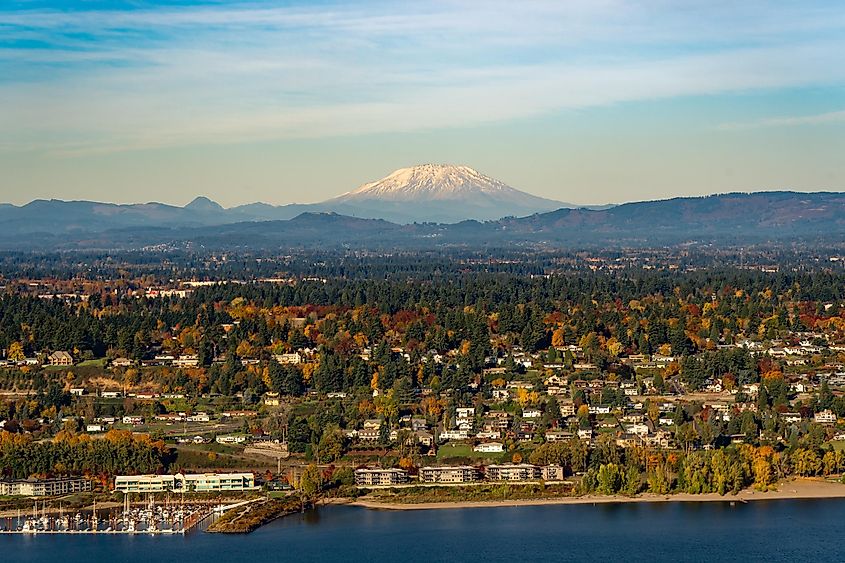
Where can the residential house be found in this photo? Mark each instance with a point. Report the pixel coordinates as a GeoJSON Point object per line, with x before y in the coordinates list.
{"type": "Point", "coordinates": [292, 359]}
{"type": "Point", "coordinates": [825, 417]}
{"type": "Point", "coordinates": [558, 436]}
{"type": "Point", "coordinates": [489, 447]}
{"type": "Point", "coordinates": [231, 438]}
{"type": "Point", "coordinates": [60, 358]}
{"type": "Point", "coordinates": [187, 361]}
{"type": "Point", "coordinates": [453, 435]}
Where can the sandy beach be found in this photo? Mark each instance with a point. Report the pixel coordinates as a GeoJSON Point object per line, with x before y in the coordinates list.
{"type": "Point", "coordinates": [793, 489]}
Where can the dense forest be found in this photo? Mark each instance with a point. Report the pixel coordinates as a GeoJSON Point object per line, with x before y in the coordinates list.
{"type": "Point", "coordinates": [73, 454]}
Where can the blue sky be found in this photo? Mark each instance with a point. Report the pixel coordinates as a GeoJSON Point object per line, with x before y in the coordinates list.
{"type": "Point", "coordinates": [582, 101]}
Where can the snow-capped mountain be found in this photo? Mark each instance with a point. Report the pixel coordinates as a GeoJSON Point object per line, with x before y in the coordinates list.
{"type": "Point", "coordinates": [441, 193]}
{"type": "Point", "coordinates": [436, 193]}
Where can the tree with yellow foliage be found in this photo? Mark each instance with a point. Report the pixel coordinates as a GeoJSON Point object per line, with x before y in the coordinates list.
{"type": "Point", "coordinates": [308, 370]}
{"type": "Point", "coordinates": [558, 337]}
{"type": "Point", "coordinates": [245, 349]}
{"type": "Point", "coordinates": [583, 412]}
{"type": "Point", "coordinates": [15, 352]}
{"type": "Point", "coordinates": [614, 347]}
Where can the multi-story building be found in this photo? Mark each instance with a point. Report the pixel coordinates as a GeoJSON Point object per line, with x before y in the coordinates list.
{"type": "Point", "coordinates": [144, 483]}
{"type": "Point", "coordinates": [217, 482]}
{"type": "Point", "coordinates": [453, 435]}
{"type": "Point", "coordinates": [448, 474]}
{"type": "Point", "coordinates": [380, 476]}
{"type": "Point", "coordinates": [513, 472]}
{"type": "Point", "coordinates": [552, 473]}
{"type": "Point", "coordinates": [60, 358]}
{"type": "Point", "coordinates": [44, 487]}
{"type": "Point", "coordinates": [825, 417]}
{"type": "Point", "coordinates": [200, 483]}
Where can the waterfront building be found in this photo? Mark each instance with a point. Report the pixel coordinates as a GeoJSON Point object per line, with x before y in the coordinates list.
{"type": "Point", "coordinates": [513, 472]}
{"type": "Point", "coordinates": [199, 483]}
{"type": "Point", "coordinates": [448, 474]}
{"type": "Point", "coordinates": [43, 487]}
{"type": "Point", "coordinates": [380, 476]}
{"type": "Point", "coordinates": [144, 483]}
{"type": "Point", "coordinates": [553, 473]}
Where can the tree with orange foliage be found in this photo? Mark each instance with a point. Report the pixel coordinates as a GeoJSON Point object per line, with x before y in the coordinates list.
{"type": "Point", "coordinates": [431, 406]}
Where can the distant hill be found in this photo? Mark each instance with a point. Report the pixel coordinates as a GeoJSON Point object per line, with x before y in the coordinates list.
{"type": "Point", "coordinates": [755, 216]}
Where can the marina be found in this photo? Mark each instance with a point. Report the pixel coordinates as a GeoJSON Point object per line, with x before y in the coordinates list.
{"type": "Point", "coordinates": [151, 518]}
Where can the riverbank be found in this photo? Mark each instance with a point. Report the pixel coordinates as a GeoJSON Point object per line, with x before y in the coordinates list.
{"type": "Point", "coordinates": [794, 489]}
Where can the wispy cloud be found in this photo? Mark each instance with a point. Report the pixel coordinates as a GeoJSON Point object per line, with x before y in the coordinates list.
{"type": "Point", "coordinates": [817, 119]}
{"type": "Point", "coordinates": [114, 80]}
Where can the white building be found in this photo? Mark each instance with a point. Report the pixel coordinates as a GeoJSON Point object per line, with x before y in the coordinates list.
{"type": "Point", "coordinates": [231, 438]}
{"type": "Point", "coordinates": [453, 435]}
{"type": "Point", "coordinates": [200, 483]}
{"type": "Point", "coordinates": [825, 417]}
{"type": "Point", "coordinates": [489, 447]}
{"type": "Point", "coordinates": [292, 359]}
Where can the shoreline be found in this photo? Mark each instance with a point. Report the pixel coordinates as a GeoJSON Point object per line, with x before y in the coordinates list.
{"type": "Point", "coordinates": [798, 489]}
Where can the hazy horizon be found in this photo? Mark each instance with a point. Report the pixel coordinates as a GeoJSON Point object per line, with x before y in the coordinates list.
{"type": "Point", "coordinates": [183, 203]}
{"type": "Point", "coordinates": [586, 102]}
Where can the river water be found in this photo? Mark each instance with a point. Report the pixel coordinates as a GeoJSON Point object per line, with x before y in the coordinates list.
{"type": "Point", "coordinates": [777, 530]}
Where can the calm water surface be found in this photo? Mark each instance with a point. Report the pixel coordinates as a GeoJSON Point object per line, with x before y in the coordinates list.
{"type": "Point", "coordinates": [809, 530]}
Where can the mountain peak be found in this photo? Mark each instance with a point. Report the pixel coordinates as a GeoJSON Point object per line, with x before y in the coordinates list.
{"type": "Point", "coordinates": [434, 182]}
{"type": "Point", "coordinates": [204, 204]}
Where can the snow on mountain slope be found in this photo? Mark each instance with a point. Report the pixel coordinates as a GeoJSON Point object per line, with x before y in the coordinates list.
{"type": "Point", "coordinates": [437, 182]}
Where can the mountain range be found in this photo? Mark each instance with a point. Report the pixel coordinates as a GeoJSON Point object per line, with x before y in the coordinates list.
{"type": "Point", "coordinates": [427, 206]}
{"type": "Point", "coordinates": [428, 193]}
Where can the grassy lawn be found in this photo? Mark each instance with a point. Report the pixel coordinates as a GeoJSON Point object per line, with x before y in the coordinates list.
{"type": "Point", "coordinates": [837, 445]}
{"type": "Point", "coordinates": [101, 363]}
